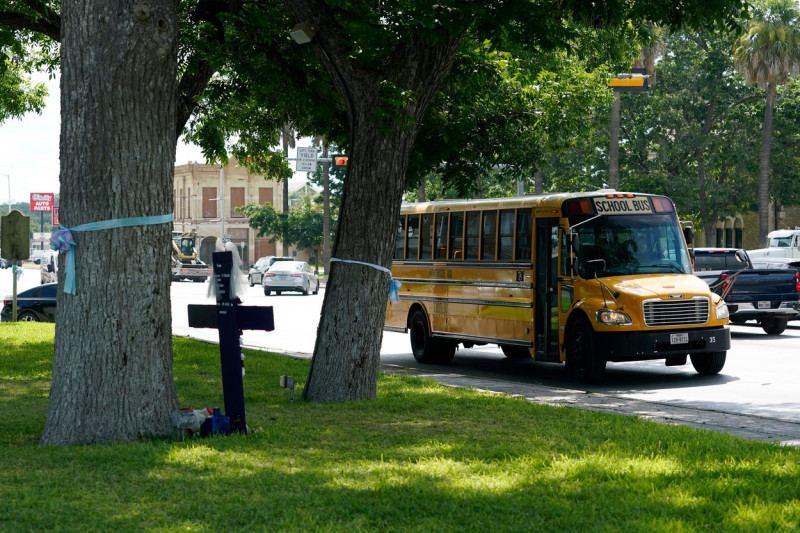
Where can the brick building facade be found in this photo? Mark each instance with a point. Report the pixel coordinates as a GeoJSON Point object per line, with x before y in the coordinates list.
{"type": "Point", "coordinates": [199, 207]}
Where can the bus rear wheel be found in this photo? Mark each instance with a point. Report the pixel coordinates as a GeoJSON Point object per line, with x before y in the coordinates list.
{"type": "Point", "coordinates": [427, 349]}
{"type": "Point", "coordinates": [582, 360]}
{"type": "Point", "coordinates": [708, 364]}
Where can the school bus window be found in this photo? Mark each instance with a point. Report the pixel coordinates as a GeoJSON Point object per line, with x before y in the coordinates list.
{"type": "Point", "coordinates": [524, 235]}
{"type": "Point", "coordinates": [489, 235]}
{"type": "Point", "coordinates": [440, 236]}
{"type": "Point", "coordinates": [473, 233]}
{"type": "Point", "coordinates": [505, 246]}
{"type": "Point", "coordinates": [412, 237]}
{"type": "Point", "coordinates": [456, 235]}
{"type": "Point", "coordinates": [426, 237]}
{"type": "Point", "coordinates": [564, 254]}
{"type": "Point", "coordinates": [400, 239]}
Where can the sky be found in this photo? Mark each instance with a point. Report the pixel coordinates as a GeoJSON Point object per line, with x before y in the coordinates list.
{"type": "Point", "coordinates": [29, 151]}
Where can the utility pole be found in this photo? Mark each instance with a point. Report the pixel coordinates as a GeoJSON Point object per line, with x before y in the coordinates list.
{"type": "Point", "coordinates": [287, 135]}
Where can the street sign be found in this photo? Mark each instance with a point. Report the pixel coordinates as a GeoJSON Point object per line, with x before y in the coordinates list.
{"type": "Point", "coordinates": [15, 236]}
{"type": "Point", "coordinates": [307, 159]}
{"type": "Point", "coordinates": [41, 202]}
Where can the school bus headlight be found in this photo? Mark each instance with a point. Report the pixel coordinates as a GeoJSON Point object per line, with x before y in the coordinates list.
{"type": "Point", "coordinates": [612, 317]}
{"type": "Point", "coordinates": [722, 311]}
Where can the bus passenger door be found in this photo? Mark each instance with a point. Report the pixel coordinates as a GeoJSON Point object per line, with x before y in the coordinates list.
{"type": "Point", "coordinates": [546, 287]}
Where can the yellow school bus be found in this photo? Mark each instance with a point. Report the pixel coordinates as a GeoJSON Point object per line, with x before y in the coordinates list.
{"type": "Point", "coordinates": [575, 278]}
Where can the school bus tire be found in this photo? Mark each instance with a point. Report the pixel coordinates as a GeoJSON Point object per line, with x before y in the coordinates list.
{"type": "Point", "coordinates": [515, 352]}
{"type": "Point", "coordinates": [583, 362]}
{"type": "Point", "coordinates": [708, 364]}
{"type": "Point", "coordinates": [427, 349]}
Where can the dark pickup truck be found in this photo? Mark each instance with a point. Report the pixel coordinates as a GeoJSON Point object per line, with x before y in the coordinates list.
{"type": "Point", "coordinates": [770, 296]}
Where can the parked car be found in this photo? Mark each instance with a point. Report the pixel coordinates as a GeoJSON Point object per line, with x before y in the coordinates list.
{"type": "Point", "coordinates": [34, 305]}
{"type": "Point", "coordinates": [256, 274]}
{"type": "Point", "coordinates": [290, 276]}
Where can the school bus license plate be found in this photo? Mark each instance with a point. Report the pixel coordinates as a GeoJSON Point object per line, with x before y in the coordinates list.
{"type": "Point", "coordinates": [679, 338]}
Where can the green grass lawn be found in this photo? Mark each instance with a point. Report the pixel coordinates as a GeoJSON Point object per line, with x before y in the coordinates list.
{"type": "Point", "coordinates": [421, 457]}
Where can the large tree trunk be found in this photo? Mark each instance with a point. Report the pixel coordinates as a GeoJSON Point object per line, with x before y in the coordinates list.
{"type": "Point", "coordinates": [763, 176]}
{"type": "Point", "coordinates": [347, 352]}
{"type": "Point", "coordinates": [112, 366]}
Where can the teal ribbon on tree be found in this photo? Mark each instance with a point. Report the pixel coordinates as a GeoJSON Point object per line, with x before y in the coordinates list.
{"type": "Point", "coordinates": [63, 242]}
{"type": "Point", "coordinates": [394, 285]}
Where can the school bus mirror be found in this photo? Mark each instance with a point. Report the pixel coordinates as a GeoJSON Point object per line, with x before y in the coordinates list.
{"type": "Point", "coordinates": [593, 266]}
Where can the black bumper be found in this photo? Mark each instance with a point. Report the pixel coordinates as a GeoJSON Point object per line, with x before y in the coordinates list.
{"type": "Point", "coordinates": [644, 345]}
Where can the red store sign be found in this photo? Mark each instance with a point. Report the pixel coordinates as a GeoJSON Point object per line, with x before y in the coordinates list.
{"type": "Point", "coordinates": [42, 202]}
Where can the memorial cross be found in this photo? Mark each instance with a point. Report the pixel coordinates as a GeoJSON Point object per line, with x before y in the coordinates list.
{"type": "Point", "coordinates": [230, 318]}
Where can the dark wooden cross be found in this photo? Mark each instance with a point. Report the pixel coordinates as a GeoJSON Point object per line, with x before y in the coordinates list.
{"type": "Point", "coordinates": [230, 319]}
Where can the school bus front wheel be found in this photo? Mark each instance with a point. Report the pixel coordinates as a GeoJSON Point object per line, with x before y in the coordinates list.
{"type": "Point", "coordinates": [583, 361]}
{"type": "Point", "coordinates": [708, 364]}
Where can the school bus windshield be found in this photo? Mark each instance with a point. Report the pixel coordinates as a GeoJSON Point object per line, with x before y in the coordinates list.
{"type": "Point", "coordinates": [631, 244]}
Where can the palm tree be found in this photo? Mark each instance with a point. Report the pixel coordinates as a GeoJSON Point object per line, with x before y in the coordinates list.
{"type": "Point", "coordinates": [767, 55]}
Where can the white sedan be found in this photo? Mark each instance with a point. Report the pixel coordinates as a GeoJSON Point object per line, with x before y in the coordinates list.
{"type": "Point", "coordinates": [290, 276]}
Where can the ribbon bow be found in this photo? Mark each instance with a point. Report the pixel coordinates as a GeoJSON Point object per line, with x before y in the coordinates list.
{"type": "Point", "coordinates": [63, 242]}
{"type": "Point", "coordinates": [394, 291]}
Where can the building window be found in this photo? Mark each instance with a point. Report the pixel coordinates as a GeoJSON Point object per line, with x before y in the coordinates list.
{"type": "Point", "coordinates": [265, 195]}
{"type": "Point", "coordinates": [237, 200]}
{"type": "Point", "coordinates": [210, 202]}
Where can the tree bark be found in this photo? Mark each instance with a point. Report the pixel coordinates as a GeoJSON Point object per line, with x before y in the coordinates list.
{"type": "Point", "coordinates": [347, 351]}
{"type": "Point", "coordinates": [112, 365]}
{"type": "Point", "coordinates": [763, 176]}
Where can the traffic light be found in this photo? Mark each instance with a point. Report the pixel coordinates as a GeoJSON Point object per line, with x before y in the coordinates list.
{"type": "Point", "coordinates": [340, 160]}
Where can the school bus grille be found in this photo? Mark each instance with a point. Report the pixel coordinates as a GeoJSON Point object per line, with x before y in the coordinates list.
{"type": "Point", "coordinates": [675, 312]}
